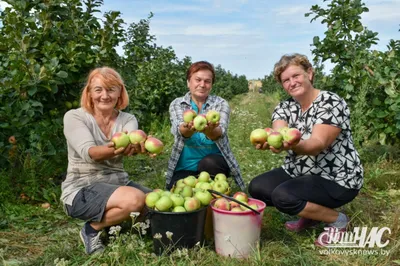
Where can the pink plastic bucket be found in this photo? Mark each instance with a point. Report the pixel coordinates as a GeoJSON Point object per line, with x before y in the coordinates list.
{"type": "Point", "coordinates": [236, 234]}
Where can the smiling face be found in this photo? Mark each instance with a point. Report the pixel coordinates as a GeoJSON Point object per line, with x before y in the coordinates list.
{"type": "Point", "coordinates": [296, 81]}
{"type": "Point", "coordinates": [103, 98]}
{"type": "Point", "coordinates": [200, 84]}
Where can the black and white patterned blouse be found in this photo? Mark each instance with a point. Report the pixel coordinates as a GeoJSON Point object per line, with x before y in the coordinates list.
{"type": "Point", "coordinates": [340, 162]}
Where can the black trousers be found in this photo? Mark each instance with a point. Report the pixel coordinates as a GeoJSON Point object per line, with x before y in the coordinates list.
{"type": "Point", "coordinates": [213, 164]}
{"type": "Point", "coordinates": [290, 195]}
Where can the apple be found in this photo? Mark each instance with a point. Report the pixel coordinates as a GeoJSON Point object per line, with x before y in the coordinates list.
{"type": "Point", "coordinates": [222, 204]}
{"type": "Point", "coordinates": [258, 136]}
{"type": "Point", "coordinates": [153, 145]}
{"type": "Point", "coordinates": [236, 209]}
{"type": "Point", "coordinates": [179, 209]}
{"type": "Point", "coordinates": [12, 140]}
{"type": "Point", "coordinates": [166, 193]}
{"type": "Point", "coordinates": [75, 104]}
{"type": "Point", "coordinates": [283, 130]}
{"type": "Point", "coordinates": [120, 139]}
{"type": "Point", "coordinates": [187, 191]}
{"type": "Point", "coordinates": [204, 177]}
{"type": "Point", "coordinates": [152, 198]}
{"type": "Point", "coordinates": [204, 197]}
{"type": "Point", "coordinates": [68, 105]}
{"type": "Point", "coordinates": [177, 190]}
{"type": "Point", "coordinates": [177, 200]}
{"type": "Point", "coordinates": [45, 205]}
{"type": "Point", "coordinates": [234, 204]}
{"type": "Point", "coordinates": [241, 196]}
{"type": "Point", "coordinates": [190, 181]}
{"type": "Point", "coordinates": [199, 183]}
{"type": "Point", "coordinates": [269, 130]}
{"type": "Point", "coordinates": [189, 115]}
{"type": "Point", "coordinates": [292, 136]}
{"type": "Point", "coordinates": [206, 186]}
{"type": "Point", "coordinates": [219, 187]}
{"type": "Point", "coordinates": [180, 183]}
{"type": "Point", "coordinates": [137, 136]}
{"type": "Point", "coordinates": [200, 122]}
{"type": "Point", "coordinates": [275, 139]}
{"type": "Point", "coordinates": [254, 206]}
{"type": "Point", "coordinates": [164, 203]}
{"type": "Point", "coordinates": [220, 177]}
{"type": "Point", "coordinates": [213, 116]}
{"type": "Point", "coordinates": [191, 204]}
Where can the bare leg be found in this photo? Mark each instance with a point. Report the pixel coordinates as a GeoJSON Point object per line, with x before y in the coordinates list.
{"type": "Point", "coordinates": [319, 213]}
{"type": "Point", "coordinates": [122, 202]}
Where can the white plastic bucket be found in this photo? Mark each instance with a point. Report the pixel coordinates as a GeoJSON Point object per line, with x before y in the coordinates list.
{"type": "Point", "coordinates": [236, 234]}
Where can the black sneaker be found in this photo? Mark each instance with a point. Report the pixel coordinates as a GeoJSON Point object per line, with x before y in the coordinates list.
{"type": "Point", "coordinates": [92, 242]}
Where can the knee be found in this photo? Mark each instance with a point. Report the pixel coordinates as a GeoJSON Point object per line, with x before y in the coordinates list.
{"type": "Point", "coordinates": [286, 202]}
{"type": "Point", "coordinates": [258, 190]}
{"type": "Point", "coordinates": [134, 202]}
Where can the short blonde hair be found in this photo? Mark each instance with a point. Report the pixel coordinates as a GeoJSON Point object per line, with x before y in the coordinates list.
{"type": "Point", "coordinates": [291, 60]}
{"type": "Point", "coordinates": [110, 78]}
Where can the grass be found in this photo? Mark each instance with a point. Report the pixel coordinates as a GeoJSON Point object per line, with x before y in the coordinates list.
{"type": "Point", "coordinates": [31, 235]}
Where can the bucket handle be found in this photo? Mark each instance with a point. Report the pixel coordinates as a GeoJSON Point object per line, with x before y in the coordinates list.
{"type": "Point", "coordinates": [233, 199]}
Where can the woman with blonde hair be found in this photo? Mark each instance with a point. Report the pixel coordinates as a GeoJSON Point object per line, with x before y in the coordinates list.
{"type": "Point", "coordinates": [96, 188]}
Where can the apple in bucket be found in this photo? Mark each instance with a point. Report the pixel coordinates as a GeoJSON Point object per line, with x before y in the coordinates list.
{"type": "Point", "coordinates": [222, 204]}
{"type": "Point", "coordinates": [241, 196]}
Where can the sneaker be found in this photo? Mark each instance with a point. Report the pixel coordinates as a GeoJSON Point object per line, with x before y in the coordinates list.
{"type": "Point", "coordinates": [92, 242]}
{"type": "Point", "coordinates": [301, 224]}
{"type": "Point", "coordinates": [330, 236]}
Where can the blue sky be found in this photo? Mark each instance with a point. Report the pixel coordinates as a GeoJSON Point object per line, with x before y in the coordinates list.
{"type": "Point", "coordinates": [245, 36]}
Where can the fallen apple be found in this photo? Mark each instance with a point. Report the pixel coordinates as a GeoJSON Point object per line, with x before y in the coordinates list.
{"type": "Point", "coordinates": [120, 139]}
{"type": "Point", "coordinates": [137, 136]}
{"type": "Point", "coordinates": [258, 136]}
{"type": "Point", "coordinates": [275, 139]}
{"type": "Point", "coordinates": [153, 145]}
{"type": "Point", "coordinates": [189, 115]}
{"type": "Point", "coordinates": [200, 122]}
{"type": "Point", "coordinates": [213, 116]}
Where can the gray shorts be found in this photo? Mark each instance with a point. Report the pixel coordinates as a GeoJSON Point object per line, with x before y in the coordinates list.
{"type": "Point", "coordinates": [90, 202]}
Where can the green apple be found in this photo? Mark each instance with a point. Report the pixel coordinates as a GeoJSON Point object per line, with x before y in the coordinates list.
{"type": "Point", "coordinates": [275, 139]}
{"type": "Point", "coordinates": [198, 184]}
{"type": "Point", "coordinates": [177, 190]}
{"type": "Point", "coordinates": [187, 191]}
{"type": "Point", "coordinates": [204, 177]}
{"type": "Point", "coordinates": [189, 115]}
{"type": "Point", "coordinates": [205, 197]}
{"type": "Point", "coordinates": [180, 183]}
{"type": "Point", "coordinates": [236, 209]}
{"type": "Point", "coordinates": [159, 191]}
{"type": "Point", "coordinates": [258, 136]}
{"type": "Point", "coordinates": [153, 145]}
{"type": "Point", "coordinates": [179, 209]}
{"type": "Point", "coordinates": [120, 139]}
{"type": "Point", "coordinates": [177, 200]}
{"type": "Point", "coordinates": [219, 187]}
{"type": "Point", "coordinates": [192, 204]}
{"type": "Point", "coordinates": [220, 177]}
{"type": "Point", "coordinates": [190, 181]}
{"type": "Point", "coordinates": [206, 186]}
{"type": "Point", "coordinates": [137, 136]}
{"type": "Point", "coordinates": [166, 193]}
{"type": "Point", "coordinates": [283, 130]}
{"type": "Point", "coordinates": [213, 116]}
{"type": "Point", "coordinates": [164, 203]}
{"type": "Point", "coordinates": [200, 122]}
{"type": "Point", "coordinates": [254, 206]}
{"type": "Point", "coordinates": [151, 199]}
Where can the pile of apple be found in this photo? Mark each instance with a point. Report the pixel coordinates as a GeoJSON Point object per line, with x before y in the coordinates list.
{"type": "Point", "coordinates": [229, 205]}
{"type": "Point", "coordinates": [188, 194]}
{"type": "Point", "coordinates": [275, 138]}
{"type": "Point", "coordinates": [200, 121]}
{"type": "Point", "coordinates": [152, 144]}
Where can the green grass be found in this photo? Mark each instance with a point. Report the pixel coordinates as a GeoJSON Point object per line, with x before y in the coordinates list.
{"type": "Point", "coordinates": [31, 235]}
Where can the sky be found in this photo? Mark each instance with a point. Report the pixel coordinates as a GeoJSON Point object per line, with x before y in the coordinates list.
{"type": "Point", "coordinates": [246, 37]}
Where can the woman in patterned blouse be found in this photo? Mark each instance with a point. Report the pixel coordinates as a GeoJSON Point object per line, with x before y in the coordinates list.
{"type": "Point", "coordinates": [323, 171]}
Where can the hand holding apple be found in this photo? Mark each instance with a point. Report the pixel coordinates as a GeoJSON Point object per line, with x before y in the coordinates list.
{"type": "Point", "coordinates": [189, 115]}
{"type": "Point", "coordinates": [200, 122]}
{"type": "Point", "coordinates": [258, 136]}
{"type": "Point", "coordinates": [213, 116]}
